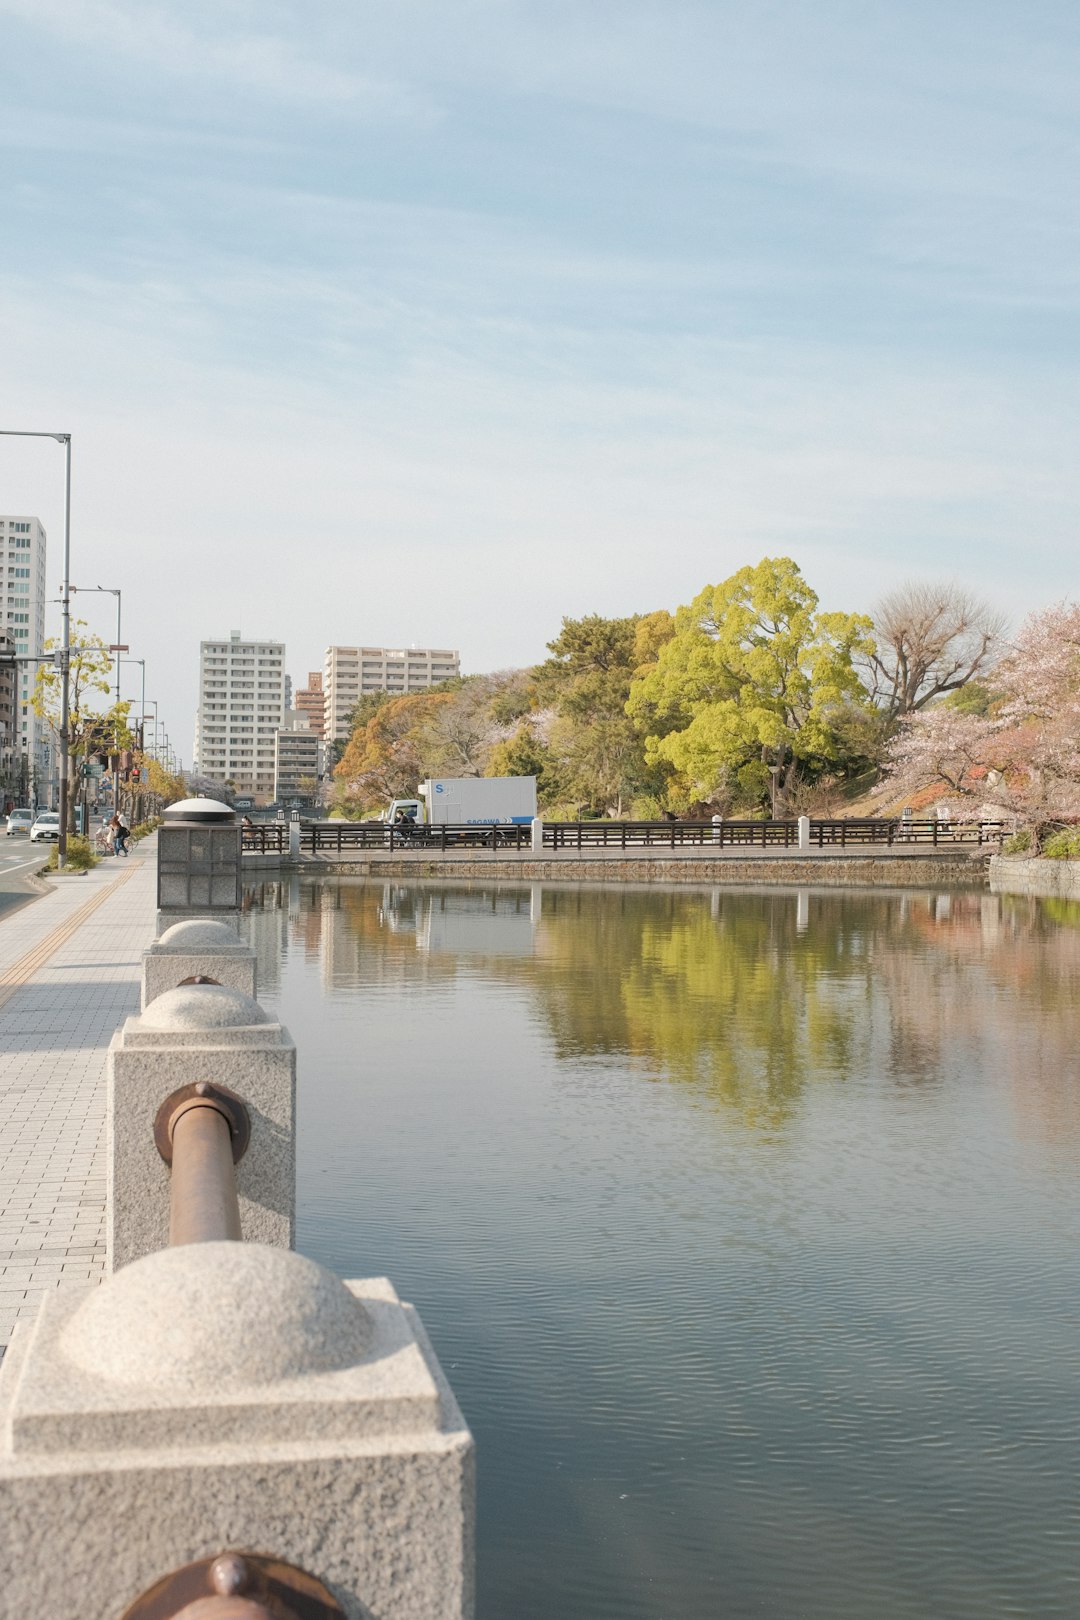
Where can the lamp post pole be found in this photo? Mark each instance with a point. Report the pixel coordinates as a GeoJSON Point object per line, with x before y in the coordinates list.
{"type": "Point", "coordinates": [65, 628]}
{"type": "Point", "coordinates": [146, 717]}
{"type": "Point", "coordinates": [142, 696]}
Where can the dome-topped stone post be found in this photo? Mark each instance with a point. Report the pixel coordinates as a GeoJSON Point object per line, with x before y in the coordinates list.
{"type": "Point", "coordinates": [198, 861]}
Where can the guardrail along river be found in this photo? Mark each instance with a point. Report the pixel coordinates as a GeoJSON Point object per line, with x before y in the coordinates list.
{"type": "Point", "coordinates": [745, 1224]}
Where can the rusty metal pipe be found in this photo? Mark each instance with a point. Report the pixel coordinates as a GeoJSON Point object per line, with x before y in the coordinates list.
{"type": "Point", "coordinates": [203, 1206]}
{"type": "Point", "coordinates": [202, 1132]}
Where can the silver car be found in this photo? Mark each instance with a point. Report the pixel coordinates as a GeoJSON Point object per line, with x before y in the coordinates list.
{"type": "Point", "coordinates": [18, 821]}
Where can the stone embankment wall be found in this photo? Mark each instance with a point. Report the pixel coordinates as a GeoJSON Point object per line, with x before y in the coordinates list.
{"type": "Point", "coordinates": [1050, 879]}
{"type": "Point", "coordinates": [906, 871]}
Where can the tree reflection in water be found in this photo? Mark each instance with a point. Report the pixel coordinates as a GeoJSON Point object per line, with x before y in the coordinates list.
{"type": "Point", "coordinates": [745, 995]}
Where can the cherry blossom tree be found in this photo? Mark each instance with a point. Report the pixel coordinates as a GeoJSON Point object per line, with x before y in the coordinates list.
{"type": "Point", "coordinates": [1024, 756]}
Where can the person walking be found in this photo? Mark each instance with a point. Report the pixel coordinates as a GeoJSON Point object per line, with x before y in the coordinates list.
{"type": "Point", "coordinates": [119, 829]}
{"type": "Point", "coordinates": [124, 832]}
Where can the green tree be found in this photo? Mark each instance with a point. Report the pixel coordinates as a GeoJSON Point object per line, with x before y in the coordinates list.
{"type": "Point", "coordinates": [90, 721]}
{"type": "Point", "coordinates": [586, 683]}
{"type": "Point", "coordinates": [527, 754]}
{"type": "Point", "coordinates": [743, 697]}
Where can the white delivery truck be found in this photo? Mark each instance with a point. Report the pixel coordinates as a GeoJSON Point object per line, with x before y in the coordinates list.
{"type": "Point", "coordinates": [467, 801]}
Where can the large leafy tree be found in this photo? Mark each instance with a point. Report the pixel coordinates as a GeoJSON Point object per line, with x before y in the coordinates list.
{"type": "Point", "coordinates": [745, 697]}
{"type": "Point", "coordinates": [585, 685]}
{"type": "Point", "coordinates": [384, 759]}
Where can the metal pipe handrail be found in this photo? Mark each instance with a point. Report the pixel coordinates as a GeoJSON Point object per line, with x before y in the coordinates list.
{"type": "Point", "coordinates": [202, 1133]}
{"type": "Point", "coordinates": [339, 837]}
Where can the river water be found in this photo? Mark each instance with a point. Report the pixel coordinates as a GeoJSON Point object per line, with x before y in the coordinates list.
{"type": "Point", "coordinates": [745, 1224]}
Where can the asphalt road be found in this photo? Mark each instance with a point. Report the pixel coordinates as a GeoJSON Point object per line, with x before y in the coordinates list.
{"type": "Point", "coordinates": [19, 860]}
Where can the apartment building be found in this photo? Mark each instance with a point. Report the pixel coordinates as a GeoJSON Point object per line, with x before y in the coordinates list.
{"type": "Point", "coordinates": [11, 784]}
{"type": "Point", "coordinates": [22, 618]}
{"type": "Point", "coordinates": [299, 759]}
{"type": "Point", "coordinates": [348, 672]}
{"type": "Point", "coordinates": [241, 709]}
{"type": "Point", "coordinates": [309, 701]}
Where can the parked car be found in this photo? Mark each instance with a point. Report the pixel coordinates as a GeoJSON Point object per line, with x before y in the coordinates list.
{"type": "Point", "coordinates": [18, 821]}
{"type": "Point", "coordinates": [46, 828]}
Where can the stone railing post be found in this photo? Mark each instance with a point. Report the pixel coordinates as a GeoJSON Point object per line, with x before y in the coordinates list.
{"type": "Point", "coordinates": [198, 948]}
{"type": "Point", "coordinates": [718, 829]}
{"type": "Point", "coordinates": [217, 1398]}
{"type": "Point", "coordinates": [294, 836]}
{"type": "Point", "coordinates": [804, 832]}
{"type": "Point", "coordinates": [537, 835]}
{"type": "Point", "coordinates": [198, 1033]}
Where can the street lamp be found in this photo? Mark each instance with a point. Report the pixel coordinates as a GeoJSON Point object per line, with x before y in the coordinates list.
{"type": "Point", "coordinates": [142, 698]}
{"type": "Point", "coordinates": [65, 629]}
{"type": "Point", "coordinates": [146, 717]}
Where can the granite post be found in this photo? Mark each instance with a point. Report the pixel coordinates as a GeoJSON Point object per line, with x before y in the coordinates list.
{"type": "Point", "coordinates": [233, 1396]}
{"type": "Point", "coordinates": [200, 947]}
{"type": "Point", "coordinates": [210, 1033]}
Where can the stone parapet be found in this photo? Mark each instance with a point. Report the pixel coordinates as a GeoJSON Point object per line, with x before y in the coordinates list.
{"type": "Point", "coordinates": [851, 870]}
{"type": "Point", "coordinates": [1047, 879]}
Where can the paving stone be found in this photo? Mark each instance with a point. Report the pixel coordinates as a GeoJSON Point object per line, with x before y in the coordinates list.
{"type": "Point", "coordinates": [55, 1030]}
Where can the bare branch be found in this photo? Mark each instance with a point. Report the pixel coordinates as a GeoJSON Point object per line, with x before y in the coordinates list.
{"type": "Point", "coordinates": [932, 639]}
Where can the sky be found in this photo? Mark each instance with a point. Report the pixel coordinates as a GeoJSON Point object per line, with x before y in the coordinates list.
{"type": "Point", "coordinates": [432, 321]}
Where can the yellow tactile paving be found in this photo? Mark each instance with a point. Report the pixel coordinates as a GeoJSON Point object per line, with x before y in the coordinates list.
{"type": "Point", "coordinates": [23, 970]}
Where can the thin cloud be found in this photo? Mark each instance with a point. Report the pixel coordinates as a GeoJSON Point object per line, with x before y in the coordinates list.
{"type": "Point", "coordinates": [249, 62]}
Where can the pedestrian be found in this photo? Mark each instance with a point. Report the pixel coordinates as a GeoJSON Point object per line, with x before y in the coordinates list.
{"type": "Point", "coordinates": [124, 832]}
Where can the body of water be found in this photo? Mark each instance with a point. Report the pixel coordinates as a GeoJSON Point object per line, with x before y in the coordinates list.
{"type": "Point", "coordinates": [745, 1225]}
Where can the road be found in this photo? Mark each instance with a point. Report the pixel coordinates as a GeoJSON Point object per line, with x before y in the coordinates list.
{"type": "Point", "coordinates": [19, 859]}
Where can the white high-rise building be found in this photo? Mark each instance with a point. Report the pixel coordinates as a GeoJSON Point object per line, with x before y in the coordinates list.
{"type": "Point", "coordinates": [348, 672]}
{"type": "Point", "coordinates": [241, 709]}
{"type": "Point", "coordinates": [22, 617]}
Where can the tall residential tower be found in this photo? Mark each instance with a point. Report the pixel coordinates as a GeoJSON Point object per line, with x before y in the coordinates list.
{"type": "Point", "coordinates": [22, 618]}
{"type": "Point", "coordinates": [348, 672]}
{"type": "Point", "coordinates": [241, 708]}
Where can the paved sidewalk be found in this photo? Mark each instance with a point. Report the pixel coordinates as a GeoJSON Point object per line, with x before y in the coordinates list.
{"type": "Point", "coordinates": [69, 975]}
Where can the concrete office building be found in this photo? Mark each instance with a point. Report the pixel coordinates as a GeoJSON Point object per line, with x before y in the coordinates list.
{"type": "Point", "coordinates": [348, 672]}
{"type": "Point", "coordinates": [22, 617]}
{"type": "Point", "coordinates": [241, 708]}
{"type": "Point", "coordinates": [309, 701]}
{"type": "Point", "coordinates": [299, 759]}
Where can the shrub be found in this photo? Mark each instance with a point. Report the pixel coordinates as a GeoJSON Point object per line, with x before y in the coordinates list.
{"type": "Point", "coordinates": [143, 829]}
{"type": "Point", "coordinates": [1018, 844]}
{"type": "Point", "coordinates": [80, 856]}
{"type": "Point", "coordinates": [1063, 845]}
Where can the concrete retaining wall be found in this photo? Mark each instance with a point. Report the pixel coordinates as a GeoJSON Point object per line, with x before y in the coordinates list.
{"type": "Point", "coordinates": [1060, 879]}
{"type": "Point", "coordinates": [894, 871]}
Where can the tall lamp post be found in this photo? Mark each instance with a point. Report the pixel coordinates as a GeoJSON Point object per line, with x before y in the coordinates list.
{"type": "Point", "coordinates": [146, 717]}
{"type": "Point", "coordinates": [65, 630]}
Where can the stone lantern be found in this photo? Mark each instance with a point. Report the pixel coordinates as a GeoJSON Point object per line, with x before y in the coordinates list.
{"type": "Point", "coordinates": [198, 861]}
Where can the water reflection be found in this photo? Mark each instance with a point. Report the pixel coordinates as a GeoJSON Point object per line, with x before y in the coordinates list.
{"type": "Point", "coordinates": [745, 996]}
{"type": "Point", "coordinates": [745, 1224]}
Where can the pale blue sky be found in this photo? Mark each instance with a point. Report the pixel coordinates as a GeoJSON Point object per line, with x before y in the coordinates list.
{"type": "Point", "coordinates": [415, 321]}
